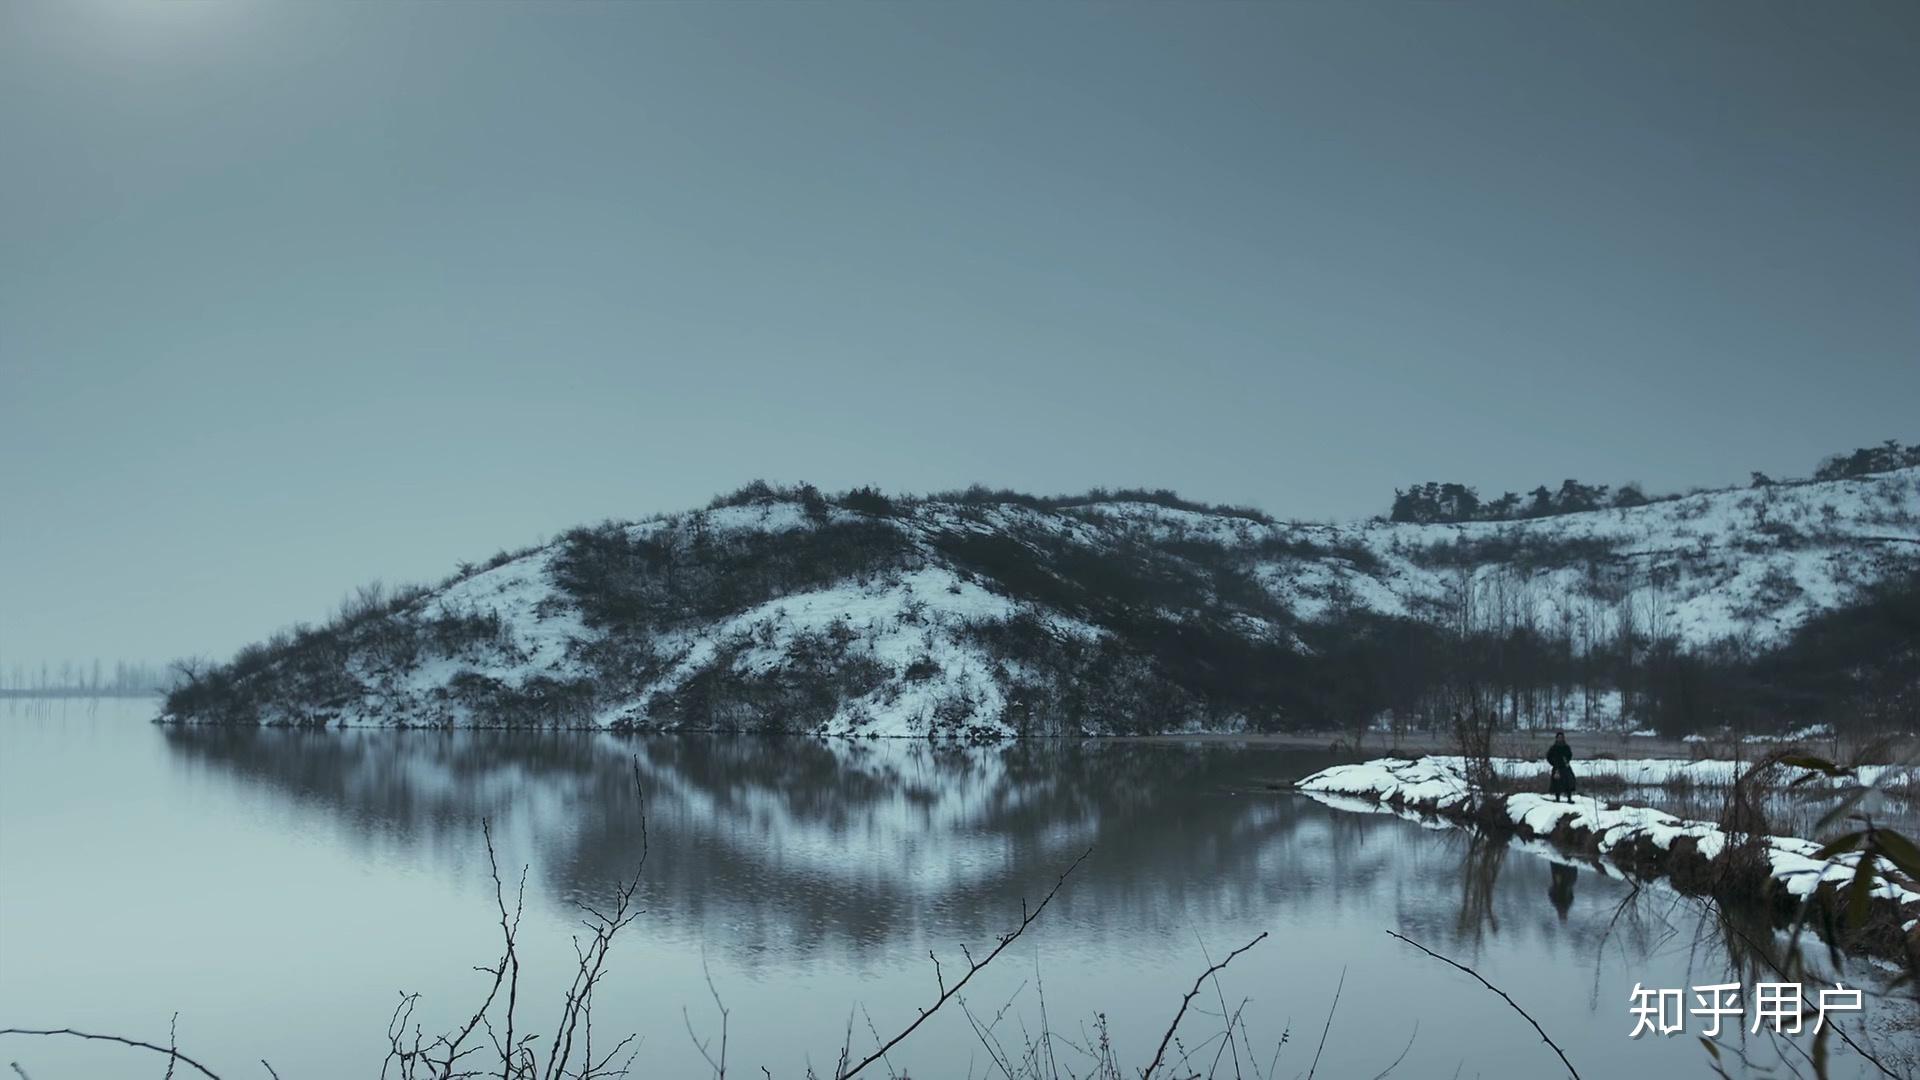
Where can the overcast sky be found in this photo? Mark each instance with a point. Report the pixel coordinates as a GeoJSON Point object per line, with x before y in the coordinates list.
{"type": "Point", "coordinates": [293, 297]}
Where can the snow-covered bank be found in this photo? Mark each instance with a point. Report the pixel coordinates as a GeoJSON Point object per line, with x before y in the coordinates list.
{"type": "Point", "coordinates": [1670, 772]}
{"type": "Point", "coordinates": [1641, 837]}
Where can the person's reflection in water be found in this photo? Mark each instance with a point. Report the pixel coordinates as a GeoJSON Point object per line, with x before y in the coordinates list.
{"type": "Point", "coordinates": [1560, 892]}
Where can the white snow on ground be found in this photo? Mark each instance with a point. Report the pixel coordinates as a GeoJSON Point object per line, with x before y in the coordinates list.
{"type": "Point", "coordinates": [544, 637]}
{"type": "Point", "coordinates": [1751, 564]}
{"type": "Point", "coordinates": [1439, 782]}
{"type": "Point", "coordinates": [539, 638]}
{"type": "Point", "coordinates": [1661, 772]}
{"type": "Point", "coordinates": [916, 618]}
{"type": "Point", "coordinates": [1747, 564]}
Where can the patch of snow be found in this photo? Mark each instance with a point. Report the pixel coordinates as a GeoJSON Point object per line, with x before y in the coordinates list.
{"type": "Point", "coordinates": [1440, 783]}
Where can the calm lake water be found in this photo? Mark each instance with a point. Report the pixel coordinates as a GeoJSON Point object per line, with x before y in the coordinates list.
{"type": "Point", "coordinates": [279, 890]}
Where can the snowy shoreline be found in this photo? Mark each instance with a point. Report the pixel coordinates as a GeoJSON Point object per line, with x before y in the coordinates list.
{"type": "Point", "coordinates": [1645, 841]}
{"type": "Point", "coordinates": [1669, 772]}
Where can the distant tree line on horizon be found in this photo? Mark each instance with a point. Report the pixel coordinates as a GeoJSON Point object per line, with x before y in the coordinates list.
{"type": "Point", "coordinates": [71, 679]}
{"type": "Point", "coordinates": [1452, 503]}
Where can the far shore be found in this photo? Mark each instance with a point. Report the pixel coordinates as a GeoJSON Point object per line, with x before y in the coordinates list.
{"type": "Point", "coordinates": [1512, 744]}
{"type": "Point", "coordinates": [76, 695]}
{"type": "Point", "coordinates": [1508, 744]}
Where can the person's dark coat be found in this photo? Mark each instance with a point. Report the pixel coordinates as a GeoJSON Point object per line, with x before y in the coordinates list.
{"type": "Point", "coordinates": [1560, 760]}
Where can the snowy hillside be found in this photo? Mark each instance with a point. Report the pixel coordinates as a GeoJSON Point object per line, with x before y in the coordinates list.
{"type": "Point", "coordinates": [984, 616]}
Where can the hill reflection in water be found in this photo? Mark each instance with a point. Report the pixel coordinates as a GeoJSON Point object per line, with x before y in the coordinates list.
{"type": "Point", "coordinates": [838, 864]}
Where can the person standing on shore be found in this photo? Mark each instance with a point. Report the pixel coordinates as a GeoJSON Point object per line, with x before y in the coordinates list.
{"type": "Point", "coordinates": [1560, 761]}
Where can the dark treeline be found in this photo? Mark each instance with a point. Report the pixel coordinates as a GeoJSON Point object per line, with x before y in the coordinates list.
{"type": "Point", "coordinates": [1886, 457]}
{"type": "Point", "coordinates": [1448, 502]}
{"type": "Point", "coordinates": [870, 500]}
{"type": "Point", "coordinates": [1855, 670]}
{"type": "Point", "coordinates": [1436, 502]}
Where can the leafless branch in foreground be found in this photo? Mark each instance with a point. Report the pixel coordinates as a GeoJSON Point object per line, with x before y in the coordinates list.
{"type": "Point", "coordinates": [1188, 1000]}
{"type": "Point", "coordinates": [1233, 1019]}
{"type": "Point", "coordinates": [719, 1066]}
{"type": "Point", "coordinates": [1503, 994]}
{"type": "Point", "coordinates": [1328, 1026]}
{"type": "Point", "coordinates": [570, 1053]}
{"type": "Point", "coordinates": [842, 1071]}
{"type": "Point", "coordinates": [171, 1052]}
{"type": "Point", "coordinates": [1414, 1034]}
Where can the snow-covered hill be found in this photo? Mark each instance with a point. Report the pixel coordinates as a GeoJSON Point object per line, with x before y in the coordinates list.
{"type": "Point", "coordinates": [983, 616]}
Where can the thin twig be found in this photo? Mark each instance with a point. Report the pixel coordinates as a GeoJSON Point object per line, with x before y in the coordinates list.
{"type": "Point", "coordinates": [1188, 1000]}
{"type": "Point", "coordinates": [1221, 993]}
{"type": "Point", "coordinates": [973, 968]}
{"type": "Point", "coordinates": [1382, 1075]}
{"type": "Point", "coordinates": [204, 1071]}
{"type": "Point", "coordinates": [719, 1067]}
{"type": "Point", "coordinates": [1328, 1026]}
{"type": "Point", "coordinates": [985, 1035]}
{"type": "Point", "coordinates": [1503, 994]}
{"type": "Point", "coordinates": [1046, 1029]}
{"type": "Point", "coordinates": [1286, 1032]}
